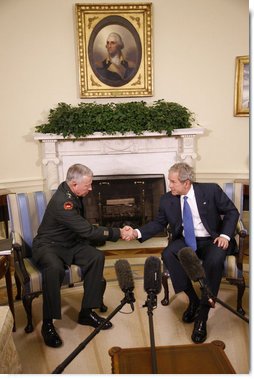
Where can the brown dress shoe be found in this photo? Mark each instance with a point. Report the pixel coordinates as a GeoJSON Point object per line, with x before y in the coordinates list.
{"type": "Point", "coordinates": [199, 332]}
{"type": "Point", "coordinates": [190, 313]}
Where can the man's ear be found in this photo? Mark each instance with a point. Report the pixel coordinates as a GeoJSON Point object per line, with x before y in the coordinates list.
{"type": "Point", "coordinates": [73, 183]}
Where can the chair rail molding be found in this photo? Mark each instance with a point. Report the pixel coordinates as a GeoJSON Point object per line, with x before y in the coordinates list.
{"type": "Point", "coordinates": [116, 154]}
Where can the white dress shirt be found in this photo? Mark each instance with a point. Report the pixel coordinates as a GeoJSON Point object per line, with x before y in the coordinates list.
{"type": "Point", "coordinates": [199, 229]}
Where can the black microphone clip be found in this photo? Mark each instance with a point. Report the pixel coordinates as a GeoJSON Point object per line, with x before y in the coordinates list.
{"type": "Point", "coordinates": [151, 301]}
{"type": "Point", "coordinates": [129, 298]}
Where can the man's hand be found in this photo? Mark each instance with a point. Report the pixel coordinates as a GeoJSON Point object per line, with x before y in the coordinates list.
{"type": "Point", "coordinates": [221, 242]}
{"type": "Point", "coordinates": [128, 233]}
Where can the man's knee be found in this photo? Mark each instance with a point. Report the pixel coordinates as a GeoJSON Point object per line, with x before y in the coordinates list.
{"type": "Point", "coordinates": [99, 256]}
{"type": "Point", "coordinates": [55, 270]}
{"type": "Point", "coordinates": [171, 251]}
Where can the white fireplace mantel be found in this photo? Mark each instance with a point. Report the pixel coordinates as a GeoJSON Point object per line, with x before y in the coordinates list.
{"type": "Point", "coordinates": [149, 153]}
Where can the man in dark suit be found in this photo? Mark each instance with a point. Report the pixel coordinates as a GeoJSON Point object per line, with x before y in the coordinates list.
{"type": "Point", "coordinates": [214, 219]}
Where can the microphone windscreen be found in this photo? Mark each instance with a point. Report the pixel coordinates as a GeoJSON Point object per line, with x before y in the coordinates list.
{"type": "Point", "coordinates": [191, 264]}
{"type": "Point", "coordinates": [124, 275]}
{"type": "Point", "coordinates": [152, 275]}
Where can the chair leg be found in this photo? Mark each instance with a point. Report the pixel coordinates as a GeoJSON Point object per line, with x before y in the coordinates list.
{"type": "Point", "coordinates": [240, 292]}
{"type": "Point", "coordinates": [164, 279]}
{"type": "Point", "coordinates": [27, 303]}
{"type": "Point", "coordinates": [18, 286]}
{"type": "Point", "coordinates": [240, 283]}
{"type": "Point", "coordinates": [103, 307]}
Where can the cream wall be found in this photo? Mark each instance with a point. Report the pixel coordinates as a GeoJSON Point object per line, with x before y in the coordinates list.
{"type": "Point", "coordinates": [195, 46]}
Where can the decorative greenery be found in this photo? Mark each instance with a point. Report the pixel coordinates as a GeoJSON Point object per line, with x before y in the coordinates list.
{"type": "Point", "coordinates": [136, 117]}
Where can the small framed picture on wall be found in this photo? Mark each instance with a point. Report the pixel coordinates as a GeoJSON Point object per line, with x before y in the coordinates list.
{"type": "Point", "coordinates": [242, 86]}
{"type": "Point", "coordinates": [114, 50]}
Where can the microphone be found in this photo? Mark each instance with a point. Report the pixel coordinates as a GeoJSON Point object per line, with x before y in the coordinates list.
{"type": "Point", "coordinates": [152, 285]}
{"type": "Point", "coordinates": [191, 264]}
{"type": "Point", "coordinates": [125, 280]}
{"type": "Point", "coordinates": [124, 275]}
{"type": "Point", "coordinates": [152, 275]}
{"type": "Point", "coordinates": [195, 271]}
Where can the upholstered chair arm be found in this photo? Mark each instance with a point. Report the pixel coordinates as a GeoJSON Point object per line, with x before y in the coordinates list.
{"type": "Point", "coordinates": [20, 268]}
{"type": "Point", "coordinates": [241, 231]}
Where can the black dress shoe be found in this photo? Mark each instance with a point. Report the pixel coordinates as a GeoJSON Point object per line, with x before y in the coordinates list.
{"type": "Point", "coordinates": [191, 312]}
{"type": "Point", "coordinates": [93, 319]}
{"type": "Point", "coordinates": [199, 332]}
{"type": "Point", "coordinates": [50, 336]}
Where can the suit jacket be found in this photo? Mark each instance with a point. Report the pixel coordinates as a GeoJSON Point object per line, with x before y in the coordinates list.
{"type": "Point", "coordinates": [217, 212]}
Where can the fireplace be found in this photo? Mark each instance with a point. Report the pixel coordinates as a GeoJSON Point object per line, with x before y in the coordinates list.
{"type": "Point", "coordinates": [116, 154]}
{"type": "Point", "coordinates": [119, 200]}
{"type": "Point", "coordinates": [124, 189]}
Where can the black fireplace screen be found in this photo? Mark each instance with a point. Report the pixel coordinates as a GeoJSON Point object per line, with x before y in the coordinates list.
{"type": "Point", "coordinates": [120, 200]}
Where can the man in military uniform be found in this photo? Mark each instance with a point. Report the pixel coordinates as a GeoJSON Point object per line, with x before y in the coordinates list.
{"type": "Point", "coordinates": [65, 237]}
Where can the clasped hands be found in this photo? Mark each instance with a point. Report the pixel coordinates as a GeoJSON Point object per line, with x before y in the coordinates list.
{"type": "Point", "coordinates": [128, 233]}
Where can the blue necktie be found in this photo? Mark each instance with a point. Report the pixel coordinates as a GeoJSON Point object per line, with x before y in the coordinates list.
{"type": "Point", "coordinates": [188, 226]}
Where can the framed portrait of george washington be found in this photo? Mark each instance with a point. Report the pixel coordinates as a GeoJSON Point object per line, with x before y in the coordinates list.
{"type": "Point", "coordinates": [242, 78]}
{"type": "Point", "coordinates": [114, 50]}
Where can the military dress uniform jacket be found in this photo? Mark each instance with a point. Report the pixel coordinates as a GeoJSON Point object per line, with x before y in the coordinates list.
{"type": "Point", "coordinates": [64, 223]}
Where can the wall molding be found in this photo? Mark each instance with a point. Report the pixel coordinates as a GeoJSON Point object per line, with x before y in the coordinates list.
{"type": "Point", "coordinates": [37, 184]}
{"type": "Point", "coordinates": [221, 176]}
{"type": "Point", "coordinates": [22, 185]}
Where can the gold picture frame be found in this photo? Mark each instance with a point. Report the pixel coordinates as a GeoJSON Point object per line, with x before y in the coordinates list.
{"type": "Point", "coordinates": [242, 75]}
{"type": "Point", "coordinates": [129, 26]}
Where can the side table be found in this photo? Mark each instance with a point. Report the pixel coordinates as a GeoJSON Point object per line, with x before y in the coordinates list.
{"type": "Point", "coordinates": [5, 270]}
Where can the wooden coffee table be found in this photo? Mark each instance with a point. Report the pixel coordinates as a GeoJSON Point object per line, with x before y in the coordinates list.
{"type": "Point", "coordinates": [206, 358]}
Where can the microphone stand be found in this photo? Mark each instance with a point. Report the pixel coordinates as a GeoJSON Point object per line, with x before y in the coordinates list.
{"type": "Point", "coordinates": [151, 303]}
{"type": "Point", "coordinates": [213, 299]}
{"type": "Point", "coordinates": [128, 299]}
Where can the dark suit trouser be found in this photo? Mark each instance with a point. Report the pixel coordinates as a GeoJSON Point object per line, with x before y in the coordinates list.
{"type": "Point", "coordinates": [212, 258]}
{"type": "Point", "coordinates": [52, 266]}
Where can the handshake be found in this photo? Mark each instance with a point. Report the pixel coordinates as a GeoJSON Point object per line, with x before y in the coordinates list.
{"type": "Point", "coordinates": [128, 233]}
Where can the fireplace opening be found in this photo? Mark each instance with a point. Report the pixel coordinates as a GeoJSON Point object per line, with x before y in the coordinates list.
{"type": "Point", "coordinates": [119, 200]}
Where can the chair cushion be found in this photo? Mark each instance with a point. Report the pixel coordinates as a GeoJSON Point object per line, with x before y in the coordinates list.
{"type": "Point", "coordinates": [73, 275]}
{"type": "Point", "coordinates": [230, 267]}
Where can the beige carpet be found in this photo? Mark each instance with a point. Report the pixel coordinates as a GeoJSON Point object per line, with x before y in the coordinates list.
{"type": "Point", "coordinates": [129, 330]}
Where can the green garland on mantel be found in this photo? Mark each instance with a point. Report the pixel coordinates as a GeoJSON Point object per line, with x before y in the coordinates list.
{"type": "Point", "coordinates": [136, 117]}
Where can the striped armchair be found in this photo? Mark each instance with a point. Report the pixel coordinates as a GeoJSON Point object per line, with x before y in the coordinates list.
{"type": "Point", "coordinates": [233, 266]}
{"type": "Point", "coordinates": [26, 211]}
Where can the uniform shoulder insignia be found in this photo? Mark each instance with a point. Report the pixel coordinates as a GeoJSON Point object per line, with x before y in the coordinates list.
{"type": "Point", "coordinates": [68, 205]}
{"type": "Point", "coordinates": [68, 195]}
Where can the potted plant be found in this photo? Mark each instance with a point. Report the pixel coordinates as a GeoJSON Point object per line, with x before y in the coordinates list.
{"type": "Point", "coordinates": [111, 118]}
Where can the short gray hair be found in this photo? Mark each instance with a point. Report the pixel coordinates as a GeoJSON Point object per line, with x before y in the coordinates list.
{"type": "Point", "coordinates": [185, 172]}
{"type": "Point", "coordinates": [77, 172]}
